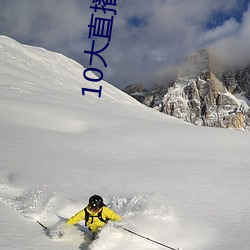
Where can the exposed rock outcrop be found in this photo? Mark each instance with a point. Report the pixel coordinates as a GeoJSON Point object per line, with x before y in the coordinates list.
{"type": "Point", "coordinates": [201, 97]}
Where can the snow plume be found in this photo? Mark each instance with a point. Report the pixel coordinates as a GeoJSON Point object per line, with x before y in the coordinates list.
{"type": "Point", "coordinates": [35, 203]}
{"type": "Point", "coordinates": [147, 215]}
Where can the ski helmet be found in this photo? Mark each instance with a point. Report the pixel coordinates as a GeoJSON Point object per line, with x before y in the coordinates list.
{"type": "Point", "coordinates": [95, 202]}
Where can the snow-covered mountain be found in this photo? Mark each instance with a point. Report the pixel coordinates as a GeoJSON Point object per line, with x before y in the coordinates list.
{"type": "Point", "coordinates": [182, 185]}
{"type": "Point", "coordinates": [201, 96]}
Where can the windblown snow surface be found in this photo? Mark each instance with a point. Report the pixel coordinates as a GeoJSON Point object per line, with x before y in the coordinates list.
{"type": "Point", "coordinates": [184, 186]}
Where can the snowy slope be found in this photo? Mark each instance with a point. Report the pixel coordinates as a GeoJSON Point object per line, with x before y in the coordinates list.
{"type": "Point", "coordinates": [182, 185]}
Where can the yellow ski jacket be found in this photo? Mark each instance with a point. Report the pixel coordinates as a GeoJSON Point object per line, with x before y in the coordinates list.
{"type": "Point", "coordinates": [94, 223]}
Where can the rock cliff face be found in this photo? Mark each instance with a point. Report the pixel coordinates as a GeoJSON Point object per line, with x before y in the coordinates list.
{"type": "Point", "coordinates": [201, 97]}
{"type": "Point", "coordinates": [237, 81]}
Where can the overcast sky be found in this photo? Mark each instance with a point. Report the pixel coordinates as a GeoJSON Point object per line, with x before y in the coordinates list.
{"type": "Point", "coordinates": [148, 39]}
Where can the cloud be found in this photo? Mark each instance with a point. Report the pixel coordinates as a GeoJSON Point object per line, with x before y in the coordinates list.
{"type": "Point", "coordinates": [233, 49]}
{"type": "Point", "coordinates": [148, 38]}
{"type": "Point", "coordinates": [228, 28]}
{"type": "Point", "coordinates": [49, 23]}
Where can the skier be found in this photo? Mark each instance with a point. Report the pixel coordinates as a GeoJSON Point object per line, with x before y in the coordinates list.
{"type": "Point", "coordinates": [95, 214]}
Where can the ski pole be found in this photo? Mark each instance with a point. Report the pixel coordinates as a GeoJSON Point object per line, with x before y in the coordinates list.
{"type": "Point", "coordinates": [45, 228]}
{"type": "Point", "coordinates": [146, 238]}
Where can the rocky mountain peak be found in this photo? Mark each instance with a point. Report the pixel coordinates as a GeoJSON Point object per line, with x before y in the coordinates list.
{"type": "Point", "coordinates": [202, 97]}
{"type": "Point", "coordinates": [196, 64]}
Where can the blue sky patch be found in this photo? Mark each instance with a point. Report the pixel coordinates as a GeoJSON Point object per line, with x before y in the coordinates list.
{"type": "Point", "coordinates": [219, 17]}
{"type": "Point", "coordinates": [136, 21]}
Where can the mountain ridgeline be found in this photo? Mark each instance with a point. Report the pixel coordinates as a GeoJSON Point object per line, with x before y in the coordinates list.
{"type": "Point", "coordinates": [201, 95]}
